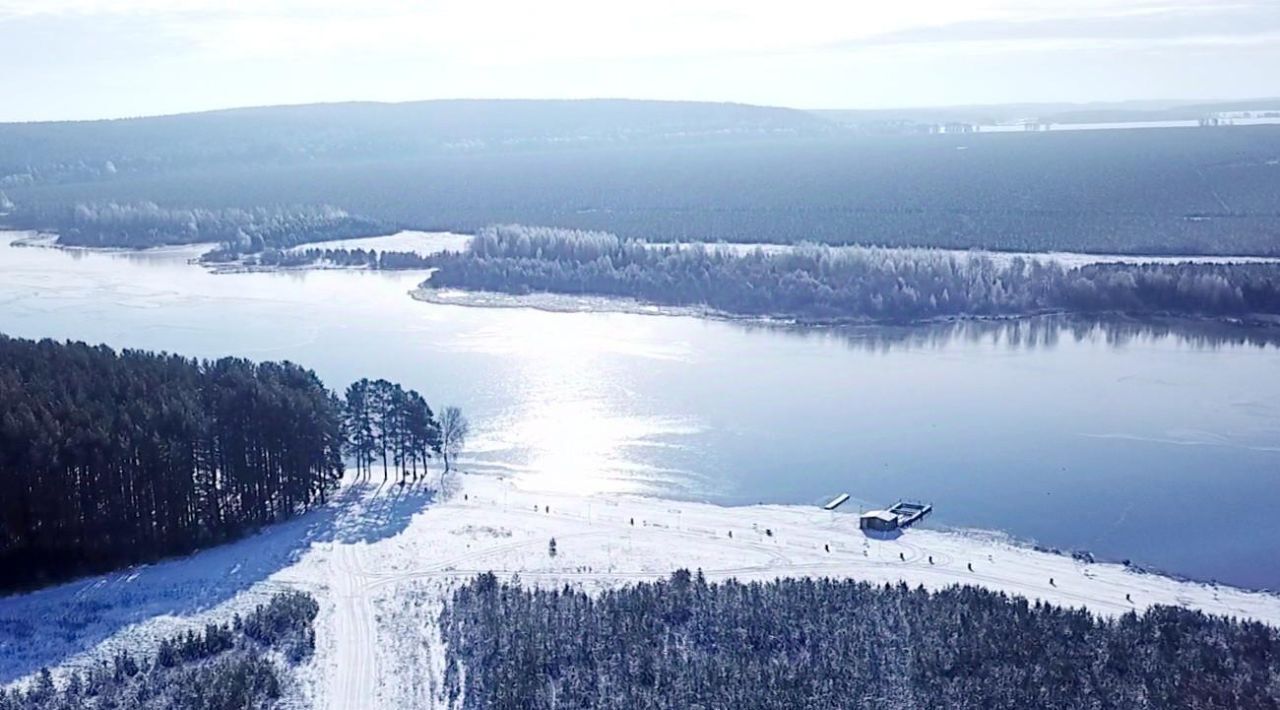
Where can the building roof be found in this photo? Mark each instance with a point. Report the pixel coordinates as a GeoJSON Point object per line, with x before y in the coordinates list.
{"type": "Point", "coordinates": [883, 515]}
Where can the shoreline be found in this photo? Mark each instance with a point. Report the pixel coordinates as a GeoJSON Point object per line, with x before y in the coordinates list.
{"type": "Point", "coordinates": [564, 303]}
{"type": "Point", "coordinates": [49, 240]}
{"type": "Point", "coordinates": [550, 302]}
{"type": "Point", "coordinates": [388, 558]}
{"type": "Point", "coordinates": [1068, 258]}
{"type": "Point", "coordinates": [471, 493]}
{"type": "Point", "coordinates": [847, 517]}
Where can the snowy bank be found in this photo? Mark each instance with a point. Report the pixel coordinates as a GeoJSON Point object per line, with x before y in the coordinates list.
{"type": "Point", "coordinates": [382, 559]}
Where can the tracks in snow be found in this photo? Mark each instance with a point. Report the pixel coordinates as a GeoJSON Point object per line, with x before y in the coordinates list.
{"type": "Point", "coordinates": [353, 679]}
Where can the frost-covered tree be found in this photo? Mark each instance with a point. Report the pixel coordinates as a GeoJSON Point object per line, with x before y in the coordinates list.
{"type": "Point", "coordinates": [827, 643]}
{"type": "Point", "coordinates": [454, 429]}
{"type": "Point", "coordinates": [822, 283]}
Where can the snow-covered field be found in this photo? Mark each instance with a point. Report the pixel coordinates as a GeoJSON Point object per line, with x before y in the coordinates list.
{"type": "Point", "coordinates": [421, 243]}
{"type": "Point", "coordinates": [381, 559]}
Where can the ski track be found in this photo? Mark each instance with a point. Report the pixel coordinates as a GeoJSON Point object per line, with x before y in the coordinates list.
{"type": "Point", "coordinates": [389, 558]}
{"type": "Point", "coordinates": [352, 674]}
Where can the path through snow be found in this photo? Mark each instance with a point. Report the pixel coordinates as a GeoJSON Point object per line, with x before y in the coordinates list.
{"type": "Point", "coordinates": [352, 680]}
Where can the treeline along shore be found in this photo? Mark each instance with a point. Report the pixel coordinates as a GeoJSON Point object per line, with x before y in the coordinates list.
{"type": "Point", "coordinates": [140, 225]}
{"type": "Point", "coordinates": [113, 458]}
{"type": "Point", "coordinates": [811, 282]}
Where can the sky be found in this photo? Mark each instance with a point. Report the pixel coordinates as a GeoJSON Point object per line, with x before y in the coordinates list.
{"type": "Point", "coordinates": [82, 59]}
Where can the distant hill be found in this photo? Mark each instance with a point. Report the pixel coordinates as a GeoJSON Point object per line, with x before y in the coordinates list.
{"type": "Point", "coordinates": [41, 153]}
{"type": "Point", "coordinates": [1061, 113]}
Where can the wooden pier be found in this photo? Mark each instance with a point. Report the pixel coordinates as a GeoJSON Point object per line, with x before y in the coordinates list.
{"type": "Point", "coordinates": [836, 502]}
{"type": "Point", "coordinates": [909, 513]}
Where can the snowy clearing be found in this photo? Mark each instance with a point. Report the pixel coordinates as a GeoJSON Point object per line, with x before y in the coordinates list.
{"type": "Point", "coordinates": [420, 243]}
{"type": "Point", "coordinates": [381, 560]}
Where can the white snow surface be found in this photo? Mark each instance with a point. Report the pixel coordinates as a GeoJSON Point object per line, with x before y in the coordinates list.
{"type": "Point", "coordinates": [381, 560]}
{"type": "Point", "coordinates": [421, 243]}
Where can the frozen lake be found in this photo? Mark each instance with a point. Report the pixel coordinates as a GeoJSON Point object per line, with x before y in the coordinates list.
{"type": "Point", "coordinates": [1158, 444]}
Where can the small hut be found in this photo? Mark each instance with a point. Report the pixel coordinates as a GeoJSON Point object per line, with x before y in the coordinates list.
{"type": "Point", "coordinates": [881, 520]}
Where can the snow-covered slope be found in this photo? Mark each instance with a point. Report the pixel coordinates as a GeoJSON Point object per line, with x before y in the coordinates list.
{"type": "Point", "coordinates": [382, 559]}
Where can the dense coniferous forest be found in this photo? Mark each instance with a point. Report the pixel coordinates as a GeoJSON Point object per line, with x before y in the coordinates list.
{"type": "Point", "coordinates": [821, 283]}
{"type": "Point", "coordinates": [225, 667]}
{"type": "Point", "coordinates": [110, 458]}
{"type": "Point", "coordinates": [145, 224]}
{"type": "Point", "coordinates": [806, 643]}
{"type": "Point", "coordinates": [673, 171]}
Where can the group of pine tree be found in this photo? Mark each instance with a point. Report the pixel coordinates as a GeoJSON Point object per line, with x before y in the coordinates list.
{"type": "Point", "coordinates": [388, 425]}
{"type": "Point", "coordinates": [825, 643]}
{"type": "Point", "coordinates": [113, 458]}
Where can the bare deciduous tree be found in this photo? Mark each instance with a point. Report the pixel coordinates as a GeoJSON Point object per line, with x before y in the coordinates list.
{"type": "Point", "coordinates": [454, 428]}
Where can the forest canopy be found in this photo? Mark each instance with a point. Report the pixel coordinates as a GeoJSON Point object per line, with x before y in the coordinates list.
{"type": "Point", "coordinates": [672, 171]}
{"type": "Point", "coordinates": [823, 643]}
{"type": "Point", "coordinates": [812, 282]}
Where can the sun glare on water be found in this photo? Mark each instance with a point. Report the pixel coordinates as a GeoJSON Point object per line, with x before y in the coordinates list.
{"type": "Point", "coordinates": [577, 424]}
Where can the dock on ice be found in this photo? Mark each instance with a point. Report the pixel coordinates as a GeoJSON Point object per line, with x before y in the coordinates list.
{"type": "Point", "coordinates": [836, 502]}
{"type": "Point", "coordinates": [910, 513]}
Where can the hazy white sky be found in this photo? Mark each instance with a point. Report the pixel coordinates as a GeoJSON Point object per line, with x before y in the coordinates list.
{"type": "Point", "coordinates": [107, 58]}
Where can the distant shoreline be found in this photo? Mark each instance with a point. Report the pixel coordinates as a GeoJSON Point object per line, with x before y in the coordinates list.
{"type": "Point", "coordinates": [552, 302]}
{"type": "Point", "coordinates": [47, 239]}
{"type": "Point", "coordinates": [565, 303]}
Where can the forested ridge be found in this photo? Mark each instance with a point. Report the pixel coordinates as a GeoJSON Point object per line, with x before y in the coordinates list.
{"type": "Point", "coordinates": [108, 459]}
{"type": "Point", "coordinates": [56, 152]}
{"type": "Point", "coordinates": [241, 665]}
{"type": "Point", "coordinates": [822, 643]}
{"type": "Point", "coordinates": [674, 172]}
{"type": "Point", "coordinates": [821, 283]}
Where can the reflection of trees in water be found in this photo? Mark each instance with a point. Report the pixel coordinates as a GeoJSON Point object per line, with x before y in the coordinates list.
{"type": "Point", "coordinates": [1038, 332]}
